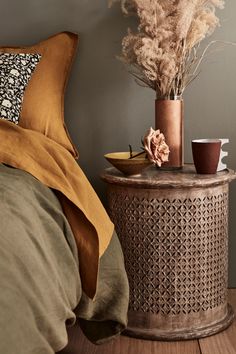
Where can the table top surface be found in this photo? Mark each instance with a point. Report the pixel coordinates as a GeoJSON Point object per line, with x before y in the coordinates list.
{"type": "Point", "coordinates": [153, 177]}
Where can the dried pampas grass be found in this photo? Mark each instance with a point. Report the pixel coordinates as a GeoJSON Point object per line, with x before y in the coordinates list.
{"type": "Point", "coordinates": [163, 53]}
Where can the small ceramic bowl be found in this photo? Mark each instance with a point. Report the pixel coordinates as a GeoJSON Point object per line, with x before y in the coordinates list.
{"type": "Point", "coordinates": [129, 167]}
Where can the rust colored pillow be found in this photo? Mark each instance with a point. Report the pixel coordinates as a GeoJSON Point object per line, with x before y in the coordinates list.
{"type": "Point", "coordinates": [43, 104]}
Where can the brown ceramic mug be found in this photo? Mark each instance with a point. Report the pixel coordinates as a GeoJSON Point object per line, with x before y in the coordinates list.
{"type": "Point", "coordinates": [206, 153]}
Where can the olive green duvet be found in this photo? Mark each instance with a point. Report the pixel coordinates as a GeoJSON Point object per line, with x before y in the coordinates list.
{"type": "Point", "coordinates": [40, 288]}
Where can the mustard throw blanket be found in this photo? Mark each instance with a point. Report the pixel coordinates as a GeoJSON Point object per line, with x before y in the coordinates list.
{"type": "Point", "coordinates": [54, 166]}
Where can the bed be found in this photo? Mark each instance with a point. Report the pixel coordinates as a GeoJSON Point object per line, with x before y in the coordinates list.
{"type": "Point", "coordinates": [60, 258]}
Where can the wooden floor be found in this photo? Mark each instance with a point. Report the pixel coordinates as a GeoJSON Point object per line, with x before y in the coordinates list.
{"type": "Point", "coordinates": [222, 343]}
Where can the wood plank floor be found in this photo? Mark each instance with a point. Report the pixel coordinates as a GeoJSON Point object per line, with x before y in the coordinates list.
{"type": "Point", "coordinates": [222, 343]}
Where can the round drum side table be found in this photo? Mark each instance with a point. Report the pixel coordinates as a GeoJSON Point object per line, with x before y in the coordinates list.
{"type": "Point", "coordinates": [173, 228]}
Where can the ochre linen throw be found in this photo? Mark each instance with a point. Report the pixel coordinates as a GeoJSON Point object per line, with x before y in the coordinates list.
{"type": "Point", "coordinates": [54, 166]}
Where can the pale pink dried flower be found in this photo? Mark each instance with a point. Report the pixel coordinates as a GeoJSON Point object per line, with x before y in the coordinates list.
{"type": "Point", "coordinates": [155, 146]}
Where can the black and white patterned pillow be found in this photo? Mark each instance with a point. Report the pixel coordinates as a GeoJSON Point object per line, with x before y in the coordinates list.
{"type": "Point", "coordinates": [15, 73]}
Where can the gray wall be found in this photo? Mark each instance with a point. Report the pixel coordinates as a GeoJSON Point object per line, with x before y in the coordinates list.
{"type": "Point", "coordinates": [105, 109]}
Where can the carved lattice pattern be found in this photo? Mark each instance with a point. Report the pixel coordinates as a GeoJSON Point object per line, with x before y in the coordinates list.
{"type": "Point", "coordinates": [175, 250]}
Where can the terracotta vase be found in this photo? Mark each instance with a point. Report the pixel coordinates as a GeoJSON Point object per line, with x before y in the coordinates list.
{"type": "Point", "coordinates": [169, 119]}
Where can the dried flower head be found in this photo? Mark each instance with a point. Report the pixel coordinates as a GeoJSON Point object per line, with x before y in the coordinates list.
{"type": "Point", "coordinates": [155, 146]}
{"type": "Point", "coordinates": [163, 52]}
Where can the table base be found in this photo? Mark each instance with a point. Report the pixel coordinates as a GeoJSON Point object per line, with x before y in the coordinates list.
{"type": "Point", "coordinates": [201, 332]}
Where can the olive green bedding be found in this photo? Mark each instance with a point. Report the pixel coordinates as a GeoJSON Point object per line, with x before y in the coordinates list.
{"type": "Point", "coordinates": [40, 286]}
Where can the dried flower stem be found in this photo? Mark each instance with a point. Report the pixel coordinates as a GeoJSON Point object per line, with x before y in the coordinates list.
{"type": "Point", "coordinates": [139, 154]}
{"type": "Point", "coordinates": [206, 49]}
{"type": "Point", "coordinates": [130, 152]}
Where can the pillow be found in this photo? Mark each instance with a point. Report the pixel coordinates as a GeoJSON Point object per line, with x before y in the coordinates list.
{"type": "Point", "coordinates": [43, 104]}
{"type": "Point", "coordinates": [15, 73]}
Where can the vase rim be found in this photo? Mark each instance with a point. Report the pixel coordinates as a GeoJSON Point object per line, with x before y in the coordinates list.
{"type": "Point", "coordinates": [170, 98]}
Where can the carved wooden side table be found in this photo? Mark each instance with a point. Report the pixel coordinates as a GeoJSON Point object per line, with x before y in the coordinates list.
{"type": "Point", "coordinates": [173, 227]}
